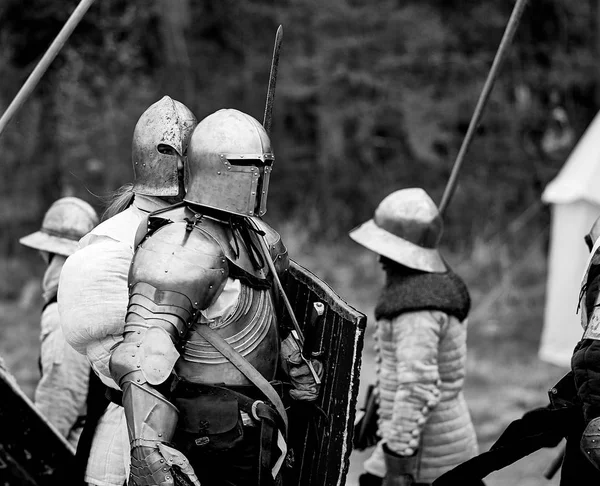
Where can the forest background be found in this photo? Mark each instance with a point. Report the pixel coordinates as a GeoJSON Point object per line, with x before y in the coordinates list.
{"type": "Point", "coordinates": [372, 96]}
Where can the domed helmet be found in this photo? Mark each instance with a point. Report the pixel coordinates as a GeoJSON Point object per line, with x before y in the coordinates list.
{"type": "Point", "coordinates": [405, 228]}
{"type": "Point", "coordinates": [166, 122]}
{"type": "Point", "coordinates": [229, 164]}
{"type": "Point", "coordinates": [65, 222]}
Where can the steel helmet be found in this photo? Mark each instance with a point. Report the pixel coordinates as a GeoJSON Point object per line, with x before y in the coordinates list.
{"type": "Point", "coordinates": [166, 122]}
{"type": "Point", "coordinates": [229, 164]}
{"type": "Point", "coordinates": [405, 228]}
{"type": "Point", "coordinates": [65, 222]}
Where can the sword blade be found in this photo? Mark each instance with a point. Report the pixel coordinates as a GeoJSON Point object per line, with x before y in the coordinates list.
{"type": "Point", "coordinates": [268, 117]}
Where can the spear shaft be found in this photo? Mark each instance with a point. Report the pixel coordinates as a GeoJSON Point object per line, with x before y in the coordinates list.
{"type": "Point", "coordinates": [42, 66]}
{"type": "Point", "coordinates": [507, 38]}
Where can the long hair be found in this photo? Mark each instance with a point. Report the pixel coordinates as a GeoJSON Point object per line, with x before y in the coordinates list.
{"type": "Point", "coordinates": [118, 201]}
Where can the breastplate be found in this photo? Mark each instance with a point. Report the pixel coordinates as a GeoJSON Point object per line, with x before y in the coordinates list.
{"type": "Point", "coordinates": [251, 329]}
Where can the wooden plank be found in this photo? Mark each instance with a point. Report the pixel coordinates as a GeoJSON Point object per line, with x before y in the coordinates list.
{"type": "Point", "coordinates": [325, 462]}
{"type": "Point", "coordinates": [32, 452]}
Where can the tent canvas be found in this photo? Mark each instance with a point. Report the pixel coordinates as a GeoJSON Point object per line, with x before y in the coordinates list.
{"type": "Point", "coordinates": [575, 200]}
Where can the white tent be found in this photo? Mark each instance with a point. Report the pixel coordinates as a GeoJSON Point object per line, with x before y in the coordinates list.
{"type": "Point", "coordinates": [575, 198]}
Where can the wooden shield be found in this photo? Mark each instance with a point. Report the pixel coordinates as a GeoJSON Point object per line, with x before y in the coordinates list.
{"type": "Point", "coordinates": [320, 446]}
{"type": "Point", "coordinates": [32, 453]}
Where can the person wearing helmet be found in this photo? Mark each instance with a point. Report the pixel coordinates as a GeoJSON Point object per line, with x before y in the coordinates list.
{"type": "Point", "coordinates": [424, 424]}
{"type": "Point", "coordinates": [202, 349]}
{"type": "Point", "coordinates": [93, 291]}
{"type": "Point", "coordinates": [63, 388]}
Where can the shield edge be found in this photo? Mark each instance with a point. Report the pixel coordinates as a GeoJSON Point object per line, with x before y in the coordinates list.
{"type": "Point", "coordinates": [331, 299]}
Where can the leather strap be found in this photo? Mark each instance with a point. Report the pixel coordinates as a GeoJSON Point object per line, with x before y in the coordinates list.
{"type": "Point", "coordinates": [245, 367]}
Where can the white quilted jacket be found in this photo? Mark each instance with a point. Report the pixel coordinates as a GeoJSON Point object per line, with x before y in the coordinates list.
{"type": "Point", "coordinates": [421, 405]}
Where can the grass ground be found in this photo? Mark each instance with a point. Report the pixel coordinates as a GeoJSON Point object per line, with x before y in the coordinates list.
{"type": "Point", "coordinates": [504, 376]}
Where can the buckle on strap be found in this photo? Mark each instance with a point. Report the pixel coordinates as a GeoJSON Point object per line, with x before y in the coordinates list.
{"type": "Point", "coordinates": [254, 405]}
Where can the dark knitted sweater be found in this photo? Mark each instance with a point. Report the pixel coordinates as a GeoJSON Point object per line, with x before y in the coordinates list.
{"type": "Point", "coordinates": [409, 290]}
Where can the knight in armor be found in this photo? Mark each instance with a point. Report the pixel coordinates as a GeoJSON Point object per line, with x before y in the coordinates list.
{"type": "Point", "coordinates": [424, 423]}
{"type": "Point", "coordinates": [574, 409]}
{"type": "Point", "coordinates": [62, 391]}
{"type": "Point", "coordinates": [202, 355]}
{"type": "Point", "coordinates": [93, 292]}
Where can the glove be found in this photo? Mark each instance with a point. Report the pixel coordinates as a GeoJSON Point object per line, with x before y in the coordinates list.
{"type": "Point", "coordinates": [590, 442]}
{"type": "Point", "coordinates": [160, 466]}
{"type": "Point", "coordinates": [399, 469]}
{"type": "Point", "coordinates": [304, 386]}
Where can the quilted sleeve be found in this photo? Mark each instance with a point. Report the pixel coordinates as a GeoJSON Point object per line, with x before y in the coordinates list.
{"type": "Point", "coordinates": [92, 299]}
{"type": "Point", "coordinates": [416, 337]}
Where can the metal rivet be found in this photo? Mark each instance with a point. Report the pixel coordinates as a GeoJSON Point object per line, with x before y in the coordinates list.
{"type": "Point", "coordinates": [210, 286]}
{"type": "Point", "coordinates": [165, 468]}
{"type": "Point", "coordinates": [138, 380]}
{"type": "Point", "coordinates": [228, 167]}
{"type": "Point", "coordinates": [219, 172]}
{"type": "Point", "coordinates": [133, 355]}
{"type": "Point", "coordinates": [162, 460]}
{"type": "Point", "coordinates": [139, 332]}
{"type": "Point", "coordinates": [139, 366]}
{"type": "Point", "coordinates": [144, 165]}
{"type": "Point", "coordinates": [253, 194]}
{"type": "Point", "coordinates": [160, 435]}
{"type": "Point", "coordinates": [195, 303]}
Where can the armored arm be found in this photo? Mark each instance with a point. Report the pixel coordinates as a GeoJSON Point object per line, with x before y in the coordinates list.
{"type": "Point", "coordinates": [586, 368]}
{"type": "Point", "coordinates": [175, 273]}
{"type": "Point", "coordinates": [585, 364]}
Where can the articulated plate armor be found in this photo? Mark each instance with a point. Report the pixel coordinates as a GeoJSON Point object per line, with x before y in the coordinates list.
{"type": "Point", "coordinates": [230, 162]}
{"type": "Point", "coordinates": [181, 267]}
{"type": "Point", "coordinates": [166, 122]}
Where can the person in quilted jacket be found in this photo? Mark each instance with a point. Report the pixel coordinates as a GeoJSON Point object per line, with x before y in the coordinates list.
{"type": "Point", "coordinates": [424, 422]}
{"type": "Point", "coordinates": [63, 389]}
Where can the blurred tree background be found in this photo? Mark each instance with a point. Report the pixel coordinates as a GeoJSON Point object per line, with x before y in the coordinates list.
{"type": "Point", "coordinates": [372, 97]}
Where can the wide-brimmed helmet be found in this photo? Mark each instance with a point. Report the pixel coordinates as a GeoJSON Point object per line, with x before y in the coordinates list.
{"type": "Point", "coordinates": [166, 122]}
{"type": "Point", "coordinates": [405, 228]}
{"type": "Point", "coordinates": [65, 222]}
{"type": "Point", "coordinates": [229, 164]}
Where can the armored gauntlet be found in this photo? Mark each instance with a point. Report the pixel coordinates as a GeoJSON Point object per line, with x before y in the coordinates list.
{"type": "Point", "coordinates": [304, 386]}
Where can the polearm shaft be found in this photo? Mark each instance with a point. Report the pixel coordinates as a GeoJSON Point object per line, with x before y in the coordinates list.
{"type": "Point", "coordinates": [507, 38]}
{"type": "Point", "coordinates": [268, 117]}
{"type": "Point", "coordinates": [42, 66]}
